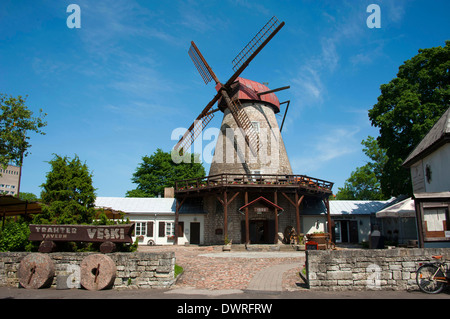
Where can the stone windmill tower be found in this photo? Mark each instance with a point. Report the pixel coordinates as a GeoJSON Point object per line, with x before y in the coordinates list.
{"type": "Point", "coordinates": [249, 141]}
{"type": "Point", "coordinates": [231, 154]}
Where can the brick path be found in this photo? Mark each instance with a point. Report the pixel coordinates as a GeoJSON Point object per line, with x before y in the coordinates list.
{"type": "Point", "coordinates": [204, 269]}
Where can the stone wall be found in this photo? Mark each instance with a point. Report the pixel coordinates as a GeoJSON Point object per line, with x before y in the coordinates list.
{"type": "Point", "coordinates": [134, 270]}
{"type": "Point", "coordinates": [362, 269]}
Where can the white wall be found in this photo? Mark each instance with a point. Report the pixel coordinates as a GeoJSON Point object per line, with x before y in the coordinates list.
{"type": "Point", "coordinates": [439, 163]}
{"type": "Point", "coordinates": [166, 218]}
{"type": "Point", "coordinates": [311, 224]}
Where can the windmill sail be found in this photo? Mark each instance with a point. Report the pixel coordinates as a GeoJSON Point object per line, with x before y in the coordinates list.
{"type": "Point", "coordinates": [249, 52]}
{"type": "Point", "coordinates": [256, 42]}
{"type": "Point", "coordinates": [241, 61]}
{"type": "Point", "coordinates": [200, 63]}
{"type": "Point", "coordinates": [197, 127]}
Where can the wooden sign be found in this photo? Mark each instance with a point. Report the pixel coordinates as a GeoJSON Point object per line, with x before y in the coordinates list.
{"type": "Point", "coordinates": [311, 245]}
{"type": "Point", "coordinates": [87, 233]}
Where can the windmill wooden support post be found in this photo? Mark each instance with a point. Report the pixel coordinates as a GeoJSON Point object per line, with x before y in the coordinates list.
{"type": "Point", "coordinates": [177, 213]}
{"type": "Point", "coordinates": [247, 223]}
{"type": "Point", "coordinates": [225, 202]}
{"type": "Point", "coordinates": [275, 240]}
{"type": "Point", "coordinates": [296, 203]}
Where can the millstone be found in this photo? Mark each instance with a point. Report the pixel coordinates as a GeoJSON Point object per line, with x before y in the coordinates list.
{"type": "Point", "coordinates": [36, 271]}
{"type": "Point", "coordinates": [98, 272]}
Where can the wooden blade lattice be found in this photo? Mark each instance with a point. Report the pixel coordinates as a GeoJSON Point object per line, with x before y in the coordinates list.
{"type": "Point", "coordinates": [196, 128]}
{"type": "Point", "coordinates": [265, 33]}
{"type": "Point", "coordinates": [243, 122]}
{"type": "Point", "coordinates": [200, 64]}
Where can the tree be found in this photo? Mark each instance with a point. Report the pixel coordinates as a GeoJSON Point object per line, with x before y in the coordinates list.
{"type": "Point", "coordinates": [14, 236]}
{"type": "Point", "coordinates": [407, 108]}
{"type": "Point", "coordinates": [68, 195]}
{"type": "Point", "coordinates": [158, 171]}
{"type": "Point", "coordinates": [28, 197]}
{"type": "Point", "coordinates": [364, 182]}
{"type": "Point", "coordinates": [16, 120]}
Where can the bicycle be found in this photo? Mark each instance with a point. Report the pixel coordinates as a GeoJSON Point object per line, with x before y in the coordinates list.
{"type": "Point", "coordinates": [432, 277]}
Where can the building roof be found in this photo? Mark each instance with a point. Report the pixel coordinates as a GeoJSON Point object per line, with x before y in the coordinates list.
{"type": "Point", "coordinates": [264, 201]}
{"type": "Point", "coordinates": [404, 208]}
{"type": "Point", "coordinates": [143, 205]}
{"type": "Point", "coordinates": [244, 89]}
{"type": "Point", "coordinates": [356, 207]}
{"type": "Point", "coordinates": [435, 138]}
{"type": "Point", "coordinates": [429, 196]}
{"type": "Point", "coordinates": [148, 205]}
{"type": "Point", "coordinates": [12, 206]}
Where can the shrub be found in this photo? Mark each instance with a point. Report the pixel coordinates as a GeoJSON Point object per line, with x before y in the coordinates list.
{"type": "Point", "coordinates": [14, 237]}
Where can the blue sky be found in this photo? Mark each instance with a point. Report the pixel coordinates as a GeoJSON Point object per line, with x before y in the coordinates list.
{"type": "Point", "coordinates": [117, 87]}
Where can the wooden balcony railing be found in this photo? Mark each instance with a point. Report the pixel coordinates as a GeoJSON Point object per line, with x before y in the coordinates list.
{"type": "Point", "coordinates": [253, 180]}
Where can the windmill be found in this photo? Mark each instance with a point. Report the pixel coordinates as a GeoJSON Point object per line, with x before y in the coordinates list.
{"type": "Point", "coordinates": [229, 97]}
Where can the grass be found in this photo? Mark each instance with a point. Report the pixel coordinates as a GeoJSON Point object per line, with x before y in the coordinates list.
{"type": "Point", "coordinates": [178, 270]}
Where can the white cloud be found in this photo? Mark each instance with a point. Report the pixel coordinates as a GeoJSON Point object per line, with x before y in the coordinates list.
{"type": "Point", "coordinates": [322, 150]}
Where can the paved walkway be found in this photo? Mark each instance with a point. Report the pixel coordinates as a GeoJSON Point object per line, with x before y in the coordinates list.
{"type": "Point", "coordinates": [208, 270]}
{"type": "Point", "coordinates": [270, 279]}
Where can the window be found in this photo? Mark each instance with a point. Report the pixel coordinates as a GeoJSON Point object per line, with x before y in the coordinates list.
{"type": "Point", "coordinates": [255, 126]}
{"type": "Point", "coordinates": [140, 229]}
{"type": "Point", "coordinates": [170, 229]}
{"type": "Point", "coordinates": [434, 219]}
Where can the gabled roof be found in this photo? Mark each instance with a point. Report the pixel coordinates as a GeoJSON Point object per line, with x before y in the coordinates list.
{"type": "Point", "coordinates": [264, 201]}
{"type": "Point", "coordinates": [356, 207]}
{"type": "Point", "coordinates": [137, 205]}
{"type": "Point", "coordinates": [147, 205]}
{"type": "Point", "coordinates": [435, 138]}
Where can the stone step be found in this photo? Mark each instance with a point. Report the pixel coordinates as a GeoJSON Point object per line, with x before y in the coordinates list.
{"type": "Point", "coordinates": [267, 247]}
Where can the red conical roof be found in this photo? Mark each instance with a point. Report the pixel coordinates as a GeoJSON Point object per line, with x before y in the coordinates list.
{"type": "Point", "coordinates": [244, 89]}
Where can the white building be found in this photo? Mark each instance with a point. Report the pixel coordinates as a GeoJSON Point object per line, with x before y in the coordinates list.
{"type": "Point", "coordinates": [351, 220]}
{"type": "Point", "coordinates": [429, 163]}
{"type": "Point", "coordinates": [154, 219]}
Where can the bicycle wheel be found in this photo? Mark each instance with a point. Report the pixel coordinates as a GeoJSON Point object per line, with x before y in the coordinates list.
{"type": "Point", "coordinates": [425, 279]}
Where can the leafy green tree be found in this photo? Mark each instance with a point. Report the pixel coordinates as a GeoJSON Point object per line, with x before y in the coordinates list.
{"type": "Point", "coordinates": [68, 195]}
{"type": "Point", "coordinates": [364, 182]}
{"type": "Point", "coordinates": [28, 197]}
{"type": "Point", "coordinates": [14, 236]}
{"type": "Point", "coordinates": [16, 121]}
{"type": "Point", "coordinates": [159, 171]}
{"type": "Point", "coordinates": [407, 108]}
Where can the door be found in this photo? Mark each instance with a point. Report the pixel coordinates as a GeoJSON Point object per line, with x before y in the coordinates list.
{"type": "Point", "coordinates": [195, 234]}
{"type": "Point", "coordinates": [337, 231]}
{"type": "Point", "coordinates": [346, 231]}
{"type": "Point", "coordinates": [353, 231]}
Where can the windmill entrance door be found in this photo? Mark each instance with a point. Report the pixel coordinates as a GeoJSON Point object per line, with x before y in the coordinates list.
{"type": "Point", "coordinates": [261, 231]}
